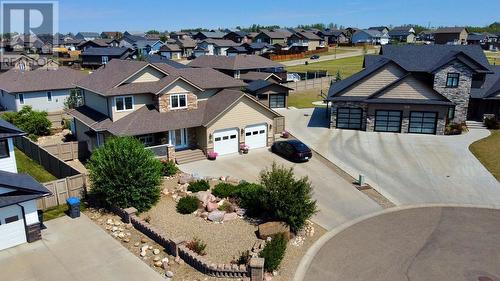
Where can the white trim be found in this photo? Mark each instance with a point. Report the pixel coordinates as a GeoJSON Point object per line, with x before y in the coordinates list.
{"type": "Point", "coordinates": [178, 100]}
{"type": "Point", "coordinates": [183, 79]}
{"type": "Point", "coordinates": [124, 104]}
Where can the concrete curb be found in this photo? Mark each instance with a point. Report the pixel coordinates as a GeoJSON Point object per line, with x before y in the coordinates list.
{"type": "Point", "coordinates": [314, 249]}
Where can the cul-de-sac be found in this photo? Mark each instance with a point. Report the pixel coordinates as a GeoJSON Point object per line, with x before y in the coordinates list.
{"type": "Point", "coordinates": [249, 141]}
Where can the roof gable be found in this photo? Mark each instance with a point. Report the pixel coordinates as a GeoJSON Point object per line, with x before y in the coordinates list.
{"type": "Point", "coordinates": [408, 87]}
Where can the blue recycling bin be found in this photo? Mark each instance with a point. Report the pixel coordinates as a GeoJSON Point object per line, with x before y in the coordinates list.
{"type": "Point", "coordinates": [73, 207]}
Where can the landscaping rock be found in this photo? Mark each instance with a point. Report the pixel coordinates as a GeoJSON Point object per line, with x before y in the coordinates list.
{"type": "Point", "coordinates": [158, 264]}
{"type": "Point", "coordinates": [212, 206]}
{"type": "Point", "coordinates": [230, 216]}
{"type": "Point", "coordinates": [144, 240]}
{"type": "Point", "coordinates": [185, 178]}
{"type": "Point", "coordinates": [156, 251]}
{"type": "Point", "coordinates": [205, 197]}
{"type": "Point", "coordinates": [216, 216]}
{"type": "Point", "coordinates": [232, 180]}
{"type": "Point", "coordinates": [169, 274]}
{"type": "Point", "coordinates": [136, 244]}
{"type": "Point", "coordinates": [204, 215]}
{"type": "Point", "coordinates": [269, 229]}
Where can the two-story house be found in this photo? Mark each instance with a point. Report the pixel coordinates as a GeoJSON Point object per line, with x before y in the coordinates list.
{"type": "Point", "coordinates": [304, 40]}
{"type": "Point", "coordinates": [18, 193]}
{"type": "Point", "coordinates": [409, 89]}
{"type": "Point", "coordinates": [451, 35]}
{"type": "Point", "coordinates": [164, 107]}
{"type": "Point", "coordinates": [216, 47]}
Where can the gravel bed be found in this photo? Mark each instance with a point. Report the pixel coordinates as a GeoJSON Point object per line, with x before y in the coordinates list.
{"type": "Point", "coordinates": [224, 241]}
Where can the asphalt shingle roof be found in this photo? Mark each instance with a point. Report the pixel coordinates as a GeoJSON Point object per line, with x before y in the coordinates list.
{"type": "Point", "coordinates": [105, 51]}
{"type": "Point", "coordinates": [238, 62]}
{"type": "Point", "coordinates": [16, 81]}
{"type": "Point", "coordinates": [490, 87]}
{"type": "Point", "coordinates": [7, 130]}
{"type": "Point", "coordinates": [21, 182]}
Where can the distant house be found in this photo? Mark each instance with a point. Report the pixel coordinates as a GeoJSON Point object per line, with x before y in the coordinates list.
{"type": "Point", "coordinates": [255, 48]}
{"type": "Point", "coordinates": [217, 47]}
{"type": "Point", "coordinates": [96, 57]}
{"type": "Point", "coordinates": [238, 50]}
{"type": "Point", "coordinates": [171, 51]}
{"type": "Point", "coordinates": [426, 36]}
{"type": "Point", "coordinates": [154, 58]}
{"type": "Point", "coordinates": [269, 93]}
{"type": "Point", "coordinates": [485, 100]}
{"type": "Point", "coordinates": [187, 46]}
{"type": "Point", "coordinates": [238, 37]}
{"type": "Point", "coordinates": [487, 41]}
{"type": "Point", "coordinates": [203, 35]}
{"type": "Point", "coordinates": [370, 36]}
{"type": "Point", "coordinates": [303, 40]}
{"type": "Point", "coordinates": [87, 36]}
{"type": "Point", "coordinates": [257, 75]}
{"type": "Point", "coordinates": [403, 34]}
{"type": "Point", "coordinates": [97, 43]}
{"type": "Point", "coordinates": [383, 29]}
{"type": "Point", "coordinates": [179, 35]}
{"type": "Point", "coordinates": [278, 36]}
{"type": "Point", "coordinates": [42, 89]}
{"type": "Point", "coordinates": [331, 36]}
{"type": "Point", "coordinates": [111, 35]}
{"type": "Point", "coordinates": [451, 35]}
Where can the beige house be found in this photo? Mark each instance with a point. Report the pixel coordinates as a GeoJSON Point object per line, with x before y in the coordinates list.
{"type": "Point", "coordinates": [451, 35]}
{"type": "Point", "coordinates": [167, 108]}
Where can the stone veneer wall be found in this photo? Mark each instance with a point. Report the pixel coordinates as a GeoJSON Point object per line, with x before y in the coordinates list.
{"type": "Point", "coordinates": [459, 95]}
{"type": "Point", "coordinates": [336, 105]}
{"type": "Point", "coordinates": [34, 232]}
{"type": "Point", "coordinates": [163, 102]}
{"type": "Point", "coordinates": [176, 248]}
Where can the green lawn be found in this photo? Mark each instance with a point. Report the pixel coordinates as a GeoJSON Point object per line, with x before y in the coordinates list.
{"type": "Point", "coordinates": [59, 211]}
{"type": "Point", "coordinates": [487, 151]}
{"type": "Point", "coordinates": [28, 166]}
{"type": "Point", "coordinates": [304, 99]}
{"type": "Point", "coordinates": [346, 66]}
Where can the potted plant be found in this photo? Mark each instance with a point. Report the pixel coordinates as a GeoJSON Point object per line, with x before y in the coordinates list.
{"type": "Point", "coordinates": [244, 148]}
{"type": "Point", "coordinates": [212, 155]}
{"type": "Point", "coordinates": [285, 134]}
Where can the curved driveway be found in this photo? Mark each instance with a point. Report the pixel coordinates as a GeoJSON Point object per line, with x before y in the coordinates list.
{"type": "Point", "coordinates": [432, 243]}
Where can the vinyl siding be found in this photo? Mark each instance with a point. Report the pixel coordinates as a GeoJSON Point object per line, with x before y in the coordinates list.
{"type": "Point", "coordinates": [139, 101]}
{"type": "Point", "coordinates": [148, 74]}
{"type": "Point", "coordinates": [96, 102]}
{"type": "Point", "coordinates": [375, 82]}
{"type": "Point", "coordinates": [8, 101]}
{"type": "Point", "coordinates": [180, 87]}
{"type": "Point", "coordinates": [9, 164]}
{"type": "Point", "coordinates": [80, 129]}
{"type": "Point", "coordinates": [411, 88]}
{"type": "Point", "coordinates": [39, 101]}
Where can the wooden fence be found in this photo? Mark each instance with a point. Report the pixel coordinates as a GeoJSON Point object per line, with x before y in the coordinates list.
{"type": "Point", "coordinates": [56, 118]}
{"type": "Point", "coordinates": [293, 55]}
{"type": "Point", "coordinates": [62, 189]}
{"type": "Point", "coordinates": [51, 163]}
{"type": "Point", "coordinates": [318, 83]}
{"type": "Point", "coordinates": [68, 151]}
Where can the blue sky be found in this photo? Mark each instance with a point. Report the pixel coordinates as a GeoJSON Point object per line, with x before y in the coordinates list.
{"type": "Point", "coordinates": [99, 15]}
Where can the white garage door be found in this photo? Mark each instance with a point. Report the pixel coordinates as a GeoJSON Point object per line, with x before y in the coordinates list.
{"type": "Point", "coordinates": [256, 136]}
{"type": "Point", "coordinates": [12, 227]}
{"type": "Point", "coordinates": [226, 141]}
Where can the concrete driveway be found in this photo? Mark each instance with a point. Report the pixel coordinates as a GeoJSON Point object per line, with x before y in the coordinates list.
{"type": "Point", "coordinates": [405, 168]}
{"type": "Point", "coordinates": [432, 243]}
{"type": "Point", "coordinates": [338, 201]}
{"type": "Point", "coordinates": [76, 250]}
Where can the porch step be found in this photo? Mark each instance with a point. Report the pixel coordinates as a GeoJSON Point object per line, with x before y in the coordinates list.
{"type": "Point", "coordinates": [189, 155]}
{"type": "Point", "coordinates": [475, 125]}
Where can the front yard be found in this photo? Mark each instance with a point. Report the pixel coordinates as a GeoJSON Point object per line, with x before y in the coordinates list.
{"type": "Point", "coordinates": [28, 166]}
{"type": "Point", "coordinates": [346, 66]}
{"type": "Point", "coordinates": [304, 99]}
{"type": "Point", "coordinates": [487, 151]}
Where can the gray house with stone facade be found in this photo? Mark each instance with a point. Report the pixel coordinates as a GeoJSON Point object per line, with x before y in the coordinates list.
{"type": "Point", "coordinates": [409, 89]}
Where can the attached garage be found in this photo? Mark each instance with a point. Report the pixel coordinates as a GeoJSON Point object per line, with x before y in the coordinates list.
{"type": "Point", "coordinates": [423, 122]}
{"type": "Point", "coordinates": [277, 101]}
{"type": "Point", "coordinates": [256, 136]}
{"type": "Point", "coordinates": [349, 118]}
{"type": "Point", "coordinates": [12, 230]}
{"type": "Point", "coordinates": [388, 121]}
{"type": "Point", "coordinates": [226, 141]}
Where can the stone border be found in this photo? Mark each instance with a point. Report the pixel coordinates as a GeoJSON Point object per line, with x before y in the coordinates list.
{"type": "Point", "coordinates": [177, 248]}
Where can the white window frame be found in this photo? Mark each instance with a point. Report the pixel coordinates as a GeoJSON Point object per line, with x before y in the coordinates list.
{"type": "Point", "coordinates": [178, 100]}
{"type": "Point", "coordinates": [237, 74]}
{"type": "Point", "coordinates": [21, 98]}
{"type": "Point", "coordinates": [104, 59]}
{"type": "Point", "coordinates": [147, 140]}
{"type": "Point", "coordinates": [49, 96]}
{"type": "Point", "coordinates": [124, 103]}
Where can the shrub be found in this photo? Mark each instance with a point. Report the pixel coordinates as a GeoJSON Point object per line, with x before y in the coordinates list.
{"type": "Point", "coordinates": [273, 252]}
{"type": "Point", "coordinates": [125, 174]}
{"type": "Point", "coordinates": [197, 246]}
{"type": "Point", "coordinates": [34, 123]}
{"type": "Point", "coordinates": [199, 185]}
{"type": "Point", "coordinates": [491, 123]}
{"type": "Point", "coordinates": [227, 207]}
{"type": "Point", "coordinates": [250, 196]}
{"type": "Point", "coordinates": [287, 199]}
{"type": "Point", "coordinates": [187, 205]}
{"type": "Point", "coordinates": [454, 129]}
{"type": "Point", "coordinates": [169, 168]}
{"type": "Point", "coordinates": [244, 258]}
{"type": "Point", "coordinates": [224, 190]}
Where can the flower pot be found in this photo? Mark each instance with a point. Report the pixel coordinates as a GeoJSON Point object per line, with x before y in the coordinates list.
{"type": "Point", "coordinates": [245, 151]}
{"type": "Point", "coordinates": [211, 158]}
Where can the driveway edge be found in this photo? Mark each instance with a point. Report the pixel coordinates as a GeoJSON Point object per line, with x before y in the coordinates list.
{"type": "Point", "coordinates": [306, 260]}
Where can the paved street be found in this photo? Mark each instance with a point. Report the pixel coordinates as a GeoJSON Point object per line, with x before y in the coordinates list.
{"type": "Point", "coordinates": [338, 200]}
{"type": "Point", "coordinates": [433, 243]}
{"type": "Point", "coordinates": [76, 250]}
{"type": "Point", "coordinates": [405, 168]}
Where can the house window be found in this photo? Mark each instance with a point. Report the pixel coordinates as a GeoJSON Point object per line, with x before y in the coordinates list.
{"type": "Point", "coordinates": [4, 149]}
{"type": "Point", "coordinates": [124, 103]}
{"type": "Point", "coordinates": [452, 80]}
{"type": "Point", "coordinates": [11, 219]}
{"type": "Point", "coordinates": [21, 98]}
{"type": "Point", "coordinates": [105, 59]}
{"type": "Point", "coordinates": [451, 113]}
{"type": "Point", "coordinates": [237, 74]}
{"type": "Point", "coordinates": [178, 101]}
{"type": "Point", "coordinates": [49, 96]}
{"type": "Point", "coordinates": [146, 139]}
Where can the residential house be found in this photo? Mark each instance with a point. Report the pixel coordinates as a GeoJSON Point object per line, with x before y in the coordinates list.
{"type": "Point", "coordinates": [403, 34]}
{"type": "Point", "coordinates": [199, 51]}
{"type": "Point", "coordinates": [260, 48]}
{"type": "Point", "coordinates": [303, 40]}
{"type": "Point", "coordinates": [26, 62]}
{"type": "Point", "coordinates": [171, 51]}
{"type": "Point", "coordinates": [485, 100]}
{"type": "Point", "coordinates": [204, 35]}
{"type": "Point", "coordinates": [451, 35]}
{"type": "Point", "coordinates": [97, 43]}
{"type": "Point", "coordinates": [187, 46]}
{"type": "Point", "coordinates": [487, 41]}
{"type": "Point", "coordinates": [42, 89]}
{"type": "Point", "coordinates": [72, 44]}
{"type": "Point", "coordinates": [383, 29]}
{"type": "Point", "coordinates": [331, 37]}
{"type": "Point", "coordinates": [111, 35]}
{"type": "Point", "coordinates": [19, 221]}
{"type": "Point", "coordinates": [251, 76]}
{"type": "Point", "coordinates": [238, 50]}
{"type": "Point", "coordinates": [236, 65]}
{"type": "Point", "coordinates": [96, 57]}
{"type": "Point", "coordinates": [167, 107]}
{"type": "Point", "coordinates": [142, 44]}
{"type": "Point", "coordinates": [409, 89]}
{"type": "Point", "coordinates": [426, 36]}
{"type": "Point", "coordinates": [217, 47]}
{"type": "Point", "coordinates": [238, 37]}
{"type": "Point", "coordinates": [87, 36]}
{"type": "Point", "coordinates": [179, 35]}
{"type": "Point", "coordinates": [370, 36]}
{"type": "Point", "coordinates": [155, 58]}
{"type": "Point", "coordinates": [273, 36]}
{"type": "Point", "coordinates": [269, 93]}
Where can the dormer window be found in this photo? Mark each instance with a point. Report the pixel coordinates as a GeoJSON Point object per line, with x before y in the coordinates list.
{"type": "Point", "coordinates": [105, 59]}
{"type": "Point", "coordinates": [452, 80]}
{"type": "Point", "coordinates": [124, 103]}
{"type": "Point", "coordinates": [178, 101]}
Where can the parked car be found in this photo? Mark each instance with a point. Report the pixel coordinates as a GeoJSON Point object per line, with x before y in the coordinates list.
{"type": "Point", "coordinates": [315, 57]}
{"type": "Point", "coordinates": [292, 150]}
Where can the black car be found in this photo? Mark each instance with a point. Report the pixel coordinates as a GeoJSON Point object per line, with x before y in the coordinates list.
{"type": "Point", "coordinates": [293, 150]}
{"type": "Point", "coordinates": [315, 57]}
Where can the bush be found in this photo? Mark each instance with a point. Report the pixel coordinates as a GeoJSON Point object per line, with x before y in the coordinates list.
{"type": "Point", "coordinates": [199, 185]}
{"type": "Point", "coordinates": [287, 199]}
{"type": "Point", "coordinates": [197, 246]}
{"type": "Point", "coordinates": [453, 129]}
{"type": "Point", "coordinates": [224, 190]}
{"type": "Point", "coordinates": [125, 174]}
{"type": "Point", "coordinates": [187, 205]}
{"type": "Point", "coordinates": [273, 252]}
{"type": "Point", "coordinates": [169, 168]}
{"type": "Point", "coordinates": [227, 207]}
{"type": "Point", "coordinates": [491, 123]}
{"type": "Point", "coordinates": [244, 258]}
{"type": "Point", "coordinates": [34, 123]}
{"type": "Point", "coordinates": [250, 196]}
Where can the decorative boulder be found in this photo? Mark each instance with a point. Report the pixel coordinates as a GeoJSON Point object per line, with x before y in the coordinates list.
{"type": "Point", "coordinates": [272, 228]}
{"type": "Point", "coordinates": [230, 216]}
{"type": "Point", "coordinates": [185, 178]}
{"type": "Point", "coordinates": [212, 206]}
{"type": "Point", "coordinates": [216, 216]}
{"type": "Point", "coordinates": [205, 197]}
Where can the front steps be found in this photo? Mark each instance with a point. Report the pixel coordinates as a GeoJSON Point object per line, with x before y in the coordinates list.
{"type": "Point", "coordinates": [189, 155]}
{"type": "Point", "coordinates": [475, 125]}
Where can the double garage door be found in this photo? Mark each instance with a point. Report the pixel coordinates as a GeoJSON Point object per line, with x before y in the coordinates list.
{"type": "Point", "coordinates": [12, 231]}
{"type": "Point", "coordinates": [420, 122]}
{"type": "Point", "coordinates": [226, 141]}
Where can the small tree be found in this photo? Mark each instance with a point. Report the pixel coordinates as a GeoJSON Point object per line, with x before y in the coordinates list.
{"type": "Point", "coordinates": [287, 199]}
{"type": "Point", "coordinates": [73, 100]}
{"type": "Point", "coordinates": [125, 174]}
{"type": "Point", "coordinates": [338, 77]}
{"type": "Point", "coordinates": [34, 123]}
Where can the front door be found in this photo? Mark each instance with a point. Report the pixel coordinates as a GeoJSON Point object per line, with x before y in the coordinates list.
{"type": "Point", "coordinates": [178, 138]}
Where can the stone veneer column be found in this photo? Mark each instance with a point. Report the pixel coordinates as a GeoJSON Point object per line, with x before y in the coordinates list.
{"type": "Point", "coordinates": [34, 232]}
{"type": "Point", "coordinates": [256, 269]}
{"type": "Point", "coordinates": [171, 152]}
